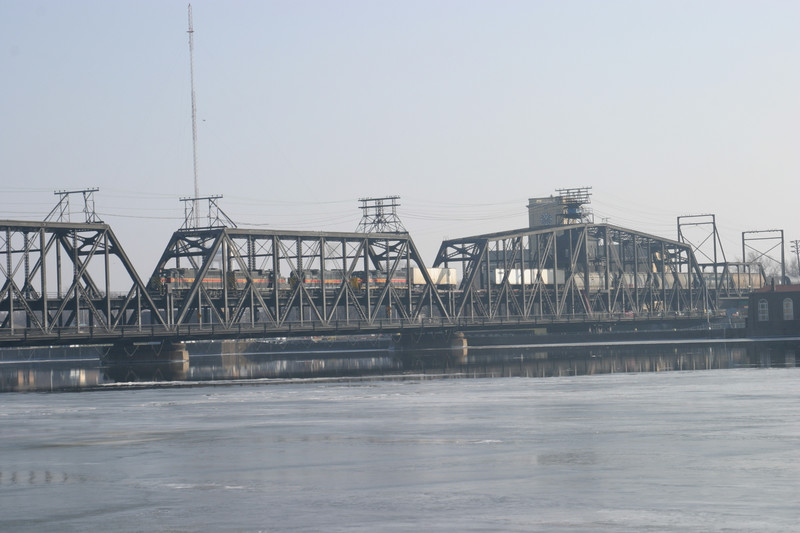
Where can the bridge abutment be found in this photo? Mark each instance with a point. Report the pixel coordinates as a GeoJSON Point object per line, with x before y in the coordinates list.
{"type": "Point", "coordinates": [165, 360]}
{"type": "Point", "coordinates": [147, 352]}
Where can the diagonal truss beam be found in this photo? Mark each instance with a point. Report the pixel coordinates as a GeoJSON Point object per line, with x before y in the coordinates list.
{"type": "Point", "coordinates": [564, 271]}
{"type": "Point", "coordinates": [59, 275]}
{"type": "Point", "coordinates": [228, 277]}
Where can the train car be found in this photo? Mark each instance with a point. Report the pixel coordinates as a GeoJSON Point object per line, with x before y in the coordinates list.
{"type": "Point", "coordinates": [529, 276]}
{"type": "Point", "coordinates": [263, 280]}
{"type": "Point", "coordinates": [516, 276]}
{"type": "Point", "coordinates": [281, 283]}
{"type": "Point", "coordinates": [331, 279]}
{"type": "Point", "coordinates": [441, 277]}
{"type": "Point", "coordinates": [378, 278]}
{"type": "Point", "coordinates": [551, 277]}
{"type": "Point", "coordinates": [676, 280]}
{"type": "Point", "coordinates": [182, 279]}
{"type": "Point", "coordinates": [751, 280]}
{"type": "Point", "coordinates": [316, 279]}
{"type": "Point", "coordinates": [596, 281]}
{"type": "Point", "coordinates": [631, 280]}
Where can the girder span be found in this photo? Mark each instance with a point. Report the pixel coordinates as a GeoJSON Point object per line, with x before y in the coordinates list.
{"type": "Point", "coordinates": [58, 275]}
{"type": "Point", "coordinates": [580, 270]}
{"type": "Point", "coordinates": [234, 277]}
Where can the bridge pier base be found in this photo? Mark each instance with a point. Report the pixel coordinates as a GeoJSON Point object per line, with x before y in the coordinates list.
{"type": "Point", "coordinates": [231, 352]}
{"type": "Point", "coordinates": [459, 345]}
{"type": "Point", "coordinates": [452, 345]}
{"type": "Point", "coordinates": [146, 353]}
{"type": "Point", "coordinates": [144, 362]}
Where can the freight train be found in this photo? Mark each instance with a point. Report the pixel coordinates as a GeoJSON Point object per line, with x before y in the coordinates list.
{"type": "Point", "coordinates": [183, 279]}
{"type": "Point", "coordinates": [359, 280]}
{"type": "Point", "coordinates": [596, 280]}
{"type": "Point", "coordinates": [630, 280]}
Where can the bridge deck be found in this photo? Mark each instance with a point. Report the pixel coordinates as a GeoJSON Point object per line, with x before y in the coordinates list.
{"type": "Point", "coordinates": [429, 326]}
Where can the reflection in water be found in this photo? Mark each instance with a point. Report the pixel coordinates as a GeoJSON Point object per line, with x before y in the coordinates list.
{"type": "Point", "coordinates": [50, 376]}
{"type": "Point", "coordinates": [85, 372]}
{"type": "Point", "coordinates": [575, 361]}
{"type": "Point", "coordinates": [150, 371]}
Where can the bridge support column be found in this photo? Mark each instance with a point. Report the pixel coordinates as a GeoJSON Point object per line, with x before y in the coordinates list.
{"type": "Point", "coordinates": [452, 344]}
{"type": "Point", "coordinates": [458, 345]}
{"type": "Point", "coordinates": [165, 351]}
{"type": "Point", "coordinates": [231, 352]}
{"type": "Point", "coordinates": [146, 362]}
{"type": "Point", "coordinates": [435, 352]}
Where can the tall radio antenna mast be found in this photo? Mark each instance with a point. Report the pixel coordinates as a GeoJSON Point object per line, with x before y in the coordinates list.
{"type": "Point", "coordinates": [194, 116]}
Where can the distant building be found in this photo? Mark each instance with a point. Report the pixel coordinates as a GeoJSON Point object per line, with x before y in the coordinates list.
{"type": "Point", "coordinates": [566, 208]}
{"type": "Point", "coordinates": [774, 310]}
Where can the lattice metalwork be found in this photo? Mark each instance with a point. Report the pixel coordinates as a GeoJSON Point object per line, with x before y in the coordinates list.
{"type": "Point", "coordinates": [232, 277]}
{"type": "Point", "coordinates": [728, 281]}
{"type": "Point", "coordinates": [57, 278]}
{"type": "Point", "coordinates": [761, 246]}
{"type": "Point", "coordinates": [213, 217]}
{"type": "Point", "coordinates": [588, 270]}
{"type": "Point", "coordinates": [379, 215]}
{"type": "Point", "coordinates": [61, 212]}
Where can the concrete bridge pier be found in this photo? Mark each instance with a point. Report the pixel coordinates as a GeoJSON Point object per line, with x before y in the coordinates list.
{"type": "Point", "coordinates": [459, 346]}
{"type": "Point", "coordinates": [157, 361]}
{"type": "Point", "coordinates": [441, 349]}
{"type": "Point", "coordinates": [231, 352]}
{"type": "Point", "coordinates": [146, 352]}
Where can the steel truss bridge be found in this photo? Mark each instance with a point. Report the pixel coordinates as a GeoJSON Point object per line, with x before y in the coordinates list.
{"type": "Point", "coordinates": [582, 270]}
{"type": "Point", "coordinates": [225, 282]}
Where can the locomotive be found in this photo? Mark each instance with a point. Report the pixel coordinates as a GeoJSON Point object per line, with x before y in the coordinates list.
{"type": "Point", "coordinates": [182, 279]}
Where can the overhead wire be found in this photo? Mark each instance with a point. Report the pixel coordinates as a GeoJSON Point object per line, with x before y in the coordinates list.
{"type": "Point", "coordinates": [106, 214]}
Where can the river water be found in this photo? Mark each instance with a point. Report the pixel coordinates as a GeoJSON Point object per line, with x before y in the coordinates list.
{"type": "Point", "coordinates": [665, 441]}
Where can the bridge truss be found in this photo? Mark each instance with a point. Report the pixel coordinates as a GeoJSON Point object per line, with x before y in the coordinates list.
{"type": "Point", "coordinates": [729, 281]}
{"type": "Point", "coordinates": [58, 275]}
{"type": "Point", "coordinates": [246, 277]}
{"type": "Point", "coordinates": [226, 281]}
{"type": "Point", "coordinates": [589, 270]}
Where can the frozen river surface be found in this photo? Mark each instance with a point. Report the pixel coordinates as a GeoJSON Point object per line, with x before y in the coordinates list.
{"type": "Point", "coordinates": [715, 450]}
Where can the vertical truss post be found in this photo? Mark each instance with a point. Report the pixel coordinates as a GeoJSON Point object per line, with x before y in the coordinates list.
{"type": "Point", "coordinates": [43, 280]}
{"type": "Point", "coordinates": [9, 271]}
{"type": "Point", "coordinates": [90, 248]}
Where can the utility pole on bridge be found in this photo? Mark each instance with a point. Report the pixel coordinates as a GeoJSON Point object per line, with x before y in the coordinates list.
{"type": "Point", "coordinates": [379, 215]}
{"type": "Point", "coordinates": [796, 249]}
{"type": "Point", "coordinates": [61, 213]}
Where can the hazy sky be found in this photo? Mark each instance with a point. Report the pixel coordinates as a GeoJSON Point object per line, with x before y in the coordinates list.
{"type": "Point", "coordinates": [463, 108]}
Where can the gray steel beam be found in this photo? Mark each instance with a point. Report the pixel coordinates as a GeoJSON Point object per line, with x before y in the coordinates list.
{"type": "Point", "coordinates": [562, 253]}
{"type": "Point", "coordinates": [83, 245]}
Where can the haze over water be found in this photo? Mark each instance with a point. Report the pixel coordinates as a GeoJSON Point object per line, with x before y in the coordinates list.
{"type": "Point", "coordinates": [710, 450]}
